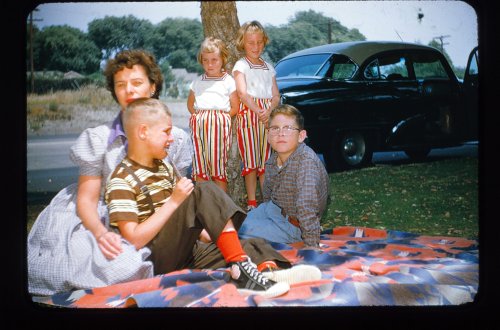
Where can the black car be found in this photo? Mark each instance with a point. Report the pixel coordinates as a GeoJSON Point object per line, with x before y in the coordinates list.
{"type": "Point", "coordinates": [367, 96]}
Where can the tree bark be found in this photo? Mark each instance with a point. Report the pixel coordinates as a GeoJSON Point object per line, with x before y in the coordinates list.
{"type": "Point", "coordinates": [220, 20]}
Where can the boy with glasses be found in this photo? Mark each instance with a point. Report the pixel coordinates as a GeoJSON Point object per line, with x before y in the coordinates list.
{"type": "Point", "coordinates": [295, 188]}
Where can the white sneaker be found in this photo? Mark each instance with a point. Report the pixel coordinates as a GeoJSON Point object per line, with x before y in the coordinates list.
{"type": "Point", "coordinates": [296, 274]}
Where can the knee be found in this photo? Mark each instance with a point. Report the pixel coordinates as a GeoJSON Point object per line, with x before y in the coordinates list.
{"type": "Point", "coordinates": [208, 187]}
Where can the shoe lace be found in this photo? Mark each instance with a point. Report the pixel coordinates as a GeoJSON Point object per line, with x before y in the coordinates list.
{"type": "Point", "coordinates": [252, 271]}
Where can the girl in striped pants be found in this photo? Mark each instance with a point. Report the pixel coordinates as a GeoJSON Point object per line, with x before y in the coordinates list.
{"type": "Point", "coordinates": [212, 101]}
{"type": "Point", "coordinates": [258, 93]}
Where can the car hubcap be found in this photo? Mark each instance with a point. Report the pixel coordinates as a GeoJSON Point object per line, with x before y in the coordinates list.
{"type": "Point", "coordinates": [353, 148]}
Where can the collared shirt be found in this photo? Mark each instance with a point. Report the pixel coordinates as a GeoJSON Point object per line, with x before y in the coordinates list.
{"type": "Point", "coordinates": [117, 130]}
{"type": "Point", "coordinates": [300, 189]}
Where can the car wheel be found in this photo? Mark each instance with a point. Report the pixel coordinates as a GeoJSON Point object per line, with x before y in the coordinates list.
{"type": "Point", "coordinates": [417, 154]}
{"type": "Point", "coordinates": [350, 150]}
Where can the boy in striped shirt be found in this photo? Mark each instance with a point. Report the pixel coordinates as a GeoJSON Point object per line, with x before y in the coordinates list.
{"type": "Point", "coordinates": [152, 207]}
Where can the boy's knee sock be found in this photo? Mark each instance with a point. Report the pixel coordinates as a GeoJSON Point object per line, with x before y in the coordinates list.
{"type": "Point", "coordinates": [230, 246]}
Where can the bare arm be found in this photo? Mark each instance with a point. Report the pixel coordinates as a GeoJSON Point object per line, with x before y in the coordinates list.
{"type": "Point", "coordinates": [190, 102]}
{"type": "Point", "coordinates": [275, 101]}
{"type": "Point", "coordinates": [234, 101]}
{"type": "Point", "coordinates": [276, 95]}
{"type": "Point", "coordinates": [241, 89]}
{"type": "Point", "coordinates": [140, 234]}
{"type": "Point", "coordinates": [86, 205]}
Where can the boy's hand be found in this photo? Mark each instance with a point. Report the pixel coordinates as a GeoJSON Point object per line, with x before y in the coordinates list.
{"type": "Point", "coordinates": [182, 190]}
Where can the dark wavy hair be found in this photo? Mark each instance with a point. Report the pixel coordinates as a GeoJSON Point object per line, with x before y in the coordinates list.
{"type": "Point", "coordinates": [129, 58]}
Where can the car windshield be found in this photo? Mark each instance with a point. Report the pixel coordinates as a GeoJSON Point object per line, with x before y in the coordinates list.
{"type": "Point", "coordinates": [301, 66]}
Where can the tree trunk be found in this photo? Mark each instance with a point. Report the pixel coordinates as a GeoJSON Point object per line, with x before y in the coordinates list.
{"type": "Point", "coordinates": [220, 20]}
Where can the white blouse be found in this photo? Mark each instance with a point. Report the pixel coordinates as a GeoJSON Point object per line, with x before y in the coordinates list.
{"type": "Point", "coordinates": [259, 78]}
{"type": "Point", "coordinates": [212, 93]}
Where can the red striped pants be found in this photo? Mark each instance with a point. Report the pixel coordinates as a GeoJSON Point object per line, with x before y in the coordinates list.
{"type": "Point", "coordinates": [211, 134]}
{"type": "Point", "coordinates": [252, 138]}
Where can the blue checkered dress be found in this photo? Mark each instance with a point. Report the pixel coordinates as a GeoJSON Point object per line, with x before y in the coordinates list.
{"type": "Point", "coordinates": [62, 254]}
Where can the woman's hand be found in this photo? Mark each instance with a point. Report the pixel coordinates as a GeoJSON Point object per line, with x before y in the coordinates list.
{"type": "Point", "coordinates": [87, 199]}
{"type": "Point", "coordinates": [110, 244]}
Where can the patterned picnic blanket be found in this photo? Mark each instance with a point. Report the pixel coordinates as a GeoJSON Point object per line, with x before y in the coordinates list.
{"type": "Point", "coordinates": [360, 267]}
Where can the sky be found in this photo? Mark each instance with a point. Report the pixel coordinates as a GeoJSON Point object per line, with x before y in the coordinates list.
{"type": "Point", "coordinates": [453, 20]}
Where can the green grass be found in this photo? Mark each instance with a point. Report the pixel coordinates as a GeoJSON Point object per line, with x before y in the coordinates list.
{"type": "Point", "coordinates": [432, 198]}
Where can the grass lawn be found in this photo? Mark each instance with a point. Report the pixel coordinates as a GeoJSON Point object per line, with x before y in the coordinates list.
{"type": "Point", "coordinates": [432, 198]}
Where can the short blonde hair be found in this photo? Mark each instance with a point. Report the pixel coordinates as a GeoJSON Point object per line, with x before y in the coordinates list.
{"type": "Point", "coordinates": [250, 27]}
{"type": "Point", "coordinates": [289, 111]}
{"type": "Point", "coordinates": [211, 45]}
{"type": "Point", "coordinates": [143, 110]}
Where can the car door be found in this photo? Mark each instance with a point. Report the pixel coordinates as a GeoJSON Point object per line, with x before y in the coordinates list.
{"type": "Point", "coordinates": [393, 92]}
{"type": "Point", "coordinates": [340, 100]}
{"type": "Point", "coordinates": [435, 118]}
{"type": "Point", "coordinates": [327, 96]}
{"type": "Point", "coordinates": [470, 88]}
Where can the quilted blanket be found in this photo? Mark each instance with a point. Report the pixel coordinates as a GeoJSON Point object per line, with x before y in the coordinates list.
{"type": "Point", "coordinates": [360, 267]}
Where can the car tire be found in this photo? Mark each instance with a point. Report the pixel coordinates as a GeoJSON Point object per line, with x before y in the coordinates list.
{"type": "Point", "coordinates": [349, 150]}
{"type": "Point", "coordinates": [417, 154]}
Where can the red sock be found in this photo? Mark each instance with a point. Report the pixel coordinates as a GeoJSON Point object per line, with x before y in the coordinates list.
{"type": "Point", "coordinates": [267, 265]}
{"type": "Point", "coordinates": [230, 246]}
{"type": "Point", "coordinates": [252, 202]}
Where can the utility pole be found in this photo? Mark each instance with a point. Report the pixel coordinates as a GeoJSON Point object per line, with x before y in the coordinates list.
{"type": "Point", "coordinates": [32, 67]}
{"type": "Point", "coordinates": [329, 31]}
{"type": "Point", "coordinates": [31, 54]}
{"type": "Point", "coordinates": [441, 41]}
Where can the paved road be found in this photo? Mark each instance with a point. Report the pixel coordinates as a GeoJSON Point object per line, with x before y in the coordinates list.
{"type": "Point", "coordinates": [49, 168]}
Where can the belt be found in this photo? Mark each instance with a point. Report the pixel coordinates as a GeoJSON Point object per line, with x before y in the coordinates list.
{"type": "Point", "coordinates": [293, 220]}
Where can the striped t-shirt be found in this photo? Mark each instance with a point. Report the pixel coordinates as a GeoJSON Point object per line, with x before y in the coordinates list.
{"type": "Point", "coordinates": [126, 201]}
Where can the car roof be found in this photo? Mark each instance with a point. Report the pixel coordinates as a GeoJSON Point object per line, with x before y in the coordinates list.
{"type": "Point", "coordinates": [359, 51]}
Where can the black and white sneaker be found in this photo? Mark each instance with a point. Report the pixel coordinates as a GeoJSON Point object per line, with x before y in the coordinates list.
{"type": "Point", "coordinates": [249, 280]}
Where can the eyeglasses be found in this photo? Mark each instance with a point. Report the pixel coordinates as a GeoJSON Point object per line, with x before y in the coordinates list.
{"type": "Point", "coordinates": [285, 130]}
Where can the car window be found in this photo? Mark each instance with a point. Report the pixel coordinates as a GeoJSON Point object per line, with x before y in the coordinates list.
{"type": "Point", "coordinates": [473, 69]}
{"type": "Point", "coordinates": [387, 68]}
{"type": "Point", "coordinates": [371, 71]}
{"type": "Point", "coordinates": [308, 65]}
{"type": "Point", "coordinates": [342, 67]}
{"type": "Point", "coordinates": [428, 66]}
